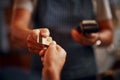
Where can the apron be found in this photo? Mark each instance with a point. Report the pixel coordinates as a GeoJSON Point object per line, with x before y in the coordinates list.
{"type": "Point", "coordinates": [60, 16]}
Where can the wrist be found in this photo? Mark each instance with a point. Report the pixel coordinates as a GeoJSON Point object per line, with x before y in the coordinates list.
{"type": "Point", "coordinates": [50, 73]}
{"type": "Point", "coordinates": [98, 41]}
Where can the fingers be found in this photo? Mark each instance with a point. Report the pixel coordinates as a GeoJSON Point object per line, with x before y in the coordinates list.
{"type": "Point", "coordinates": [44, 32]}
{"type": "Point", "coordinates": [58, 48]}
{"type": "Point", "coordinates": [42, 52]}
{"type": "Point", "coordinates": [32, 45]}
{"type": "Point", "coordinates": [50, 50]}
{"type": "Point", "coordinates": [84, 39]}
{"type": "Point", "coordinates": [53, 44]}
{"type": "Point", "coordinates": [33, 39]}
{"type": "Point", "coordinates": [76, 35]}
{"type": "Point", "coordinates": [35, 35]}
{"type": "Point", "coordinates": [52, 47]}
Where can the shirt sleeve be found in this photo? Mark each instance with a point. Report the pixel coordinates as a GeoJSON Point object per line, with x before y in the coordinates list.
{"type": "Point", "coordinates": [103, 11]}
{"type": "Point", "coordinates": [25, 4]}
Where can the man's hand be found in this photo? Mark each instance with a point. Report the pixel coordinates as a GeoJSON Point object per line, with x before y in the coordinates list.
{"type": "Point", "coordinates": [84, 39]}
{"type": "Point", "coordinates": [33, 38]}
{"type": "Point", "coordinates": [105, 35]}
{"type": "Point", "coordinates": [53, 59]}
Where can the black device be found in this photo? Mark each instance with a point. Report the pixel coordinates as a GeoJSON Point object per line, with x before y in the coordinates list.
{"type": "Point", "coordinates": [88, 26]}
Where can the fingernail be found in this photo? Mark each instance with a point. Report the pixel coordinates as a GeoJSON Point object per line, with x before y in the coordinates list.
{"type": "Point", "coordinates": [54, 42]}
{"type": "Point", "coordinates": [45, 32]}
{"type": "Point", "coordinates": [44, 48]}
{"type": "Point", "coordinates": [36, 31]}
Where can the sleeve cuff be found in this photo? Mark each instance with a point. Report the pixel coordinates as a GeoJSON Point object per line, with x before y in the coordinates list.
{"type": "Point", "coordinates": [103, 10]}
{"type": "Point", "coordinates": [25, 4]}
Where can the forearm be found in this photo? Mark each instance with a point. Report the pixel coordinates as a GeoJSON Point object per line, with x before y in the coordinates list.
{"type": "Point", "coordinates": [106, 32]}
{"type": "Point", "coordinates": [20, 24]}
{"type": "Point", "coordinates": [50, 74]}
{"type": "Point", "coordinates": [21, 35]}
{"type": "Point", "coordinates": [104, 18]}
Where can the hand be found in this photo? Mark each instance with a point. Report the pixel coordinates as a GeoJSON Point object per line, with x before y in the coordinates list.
{"type": "Point", "coordinates": [53, 59]}
{"type": "Point", "coordinates": [53, 56]}
{"type": "Point", "coordinates": [32, 39]}
{"type": "Point", "coordinates": [84, 39]}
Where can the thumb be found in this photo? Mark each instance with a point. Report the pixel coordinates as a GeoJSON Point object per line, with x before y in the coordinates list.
{"type": "Point", "coordinates": [51, 50]}
{"type": "Point", "coordinates": [36, 33]}
{"type": "Point", "coordinates": [44, 32]}
{"type": "Point", "coordinates": [52, 44]}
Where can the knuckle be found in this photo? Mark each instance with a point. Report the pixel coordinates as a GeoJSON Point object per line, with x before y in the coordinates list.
{"type": "Point", "coordinates": [28, 37]}
{"type": "Point", "coordinates": [28, 45]}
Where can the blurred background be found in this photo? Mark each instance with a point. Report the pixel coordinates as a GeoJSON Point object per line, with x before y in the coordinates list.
{"type": "Point", "coordinates": [14, 61]}
{"type": "Point", "coordinates": [18, 60]}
